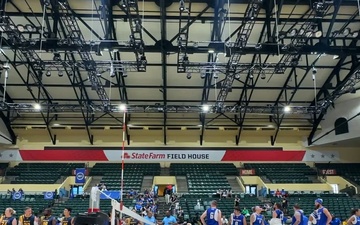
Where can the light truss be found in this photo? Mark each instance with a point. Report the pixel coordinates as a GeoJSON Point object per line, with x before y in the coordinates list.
{"type": "Point", "coordinates": [75, 37]}
{"type": "Point", "coordinates": [35, 65]}
{"type": "Point", "coordinates": [183, 39]}
{"type": "Point", "coordinates": [23, 108]}
{"type": "Point", "coordinates": [136, 37]}
{"type": "Point", "coordinates": [252, 11]}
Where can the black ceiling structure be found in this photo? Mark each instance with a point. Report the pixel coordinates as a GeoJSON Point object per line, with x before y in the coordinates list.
{"type": "Point", "coordinates": [190, 63]}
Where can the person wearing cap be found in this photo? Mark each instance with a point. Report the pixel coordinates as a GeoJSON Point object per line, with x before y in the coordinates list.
{"type": "Point", "coordinates": [256, 218]}
{"type": "Point", "coordinates": [323, 214]}
{"type": "Point", "coordinates": [237, 218]}
{"type": "Point", "coordinates": [212, 215]}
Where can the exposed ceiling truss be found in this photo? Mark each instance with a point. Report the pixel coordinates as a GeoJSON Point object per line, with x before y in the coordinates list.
{"type": "Point", "coordinates": [238, 59]}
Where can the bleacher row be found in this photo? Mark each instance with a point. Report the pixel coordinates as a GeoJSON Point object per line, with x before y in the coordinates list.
{"type": "Point", "coordinates": [49, 173]}
{"type": "Point", "coordinates": [203, 180]}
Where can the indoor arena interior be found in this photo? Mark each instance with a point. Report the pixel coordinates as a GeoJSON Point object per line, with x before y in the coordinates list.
{"type": "Point", "coordinates": [189, 112]}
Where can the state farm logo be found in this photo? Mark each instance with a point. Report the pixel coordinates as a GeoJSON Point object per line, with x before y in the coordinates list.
{"type": "Point", "coordinates": [126, 156]}
{"type": "Point", "coordinates": [150, 155]}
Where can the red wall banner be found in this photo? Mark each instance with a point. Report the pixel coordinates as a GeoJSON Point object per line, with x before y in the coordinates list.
{"type": "Point", "coordinates": [328, 172]}
{"type": "Point", "coordinates": [247, 172]}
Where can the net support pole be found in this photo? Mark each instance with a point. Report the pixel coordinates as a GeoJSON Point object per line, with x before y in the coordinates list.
{"type": "Point", "coordinates": [122, 167]}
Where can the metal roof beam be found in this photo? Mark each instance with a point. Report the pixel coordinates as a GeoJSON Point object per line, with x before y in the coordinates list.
{"type": "Point", "coordinates": [339, 49]}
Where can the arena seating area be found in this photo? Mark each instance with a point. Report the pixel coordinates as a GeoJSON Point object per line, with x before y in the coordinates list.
{"type": "Point", "coordinates": [188, 203]}
{"type": "Point", "coordinates": [338, 204]}
{"type": "Point", "coordinates": [204, 178]}
{"type": "Point", "coordinates": [348, 170]}
{"type": "Point", "coordinates": [290, 172]}
{"type": "Point", "coordinates": [41, 173]}
{"type": "Point", "coordinates": [3, 165]}
{"type": "Point", "coordinates": [133, 174]}
{"type": "Point", "coordinates": [36, 201]}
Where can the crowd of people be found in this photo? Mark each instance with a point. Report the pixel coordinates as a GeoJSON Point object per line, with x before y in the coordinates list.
{"type": "Point", "coordinates": [45, 217]}
{"type": "Point", "coordinates": [224, 193]}
{"type": "Point", "coordinates": [320, 216]}
{"type": "Point", "coordinates": [146, 206]}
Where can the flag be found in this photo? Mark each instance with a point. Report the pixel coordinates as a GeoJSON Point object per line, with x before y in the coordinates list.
{"type": "Point", "coordinates": [49, 195]}
{"type": "Point", "coordinates": [80, 176]}
{"type": "Point", "coordinates": [17, 195]}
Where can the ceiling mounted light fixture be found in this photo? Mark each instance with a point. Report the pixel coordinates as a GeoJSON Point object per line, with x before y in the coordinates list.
{"type": "Point", "coordinates": [20, 28]}
{"type": "Point", "coordinates": [287, 109]}
{"type": "Point", "coordinates": [355, 34]}
{"type": "Point", "coordinates": [205, 108]}
{"type": "Point", "coordinates": [30, 28]}
{"type": "Point", "coordinates": [292, 32]}
{"type": "Point", "coordinates": [318, 34]}
{"type": "Point", "coordinates": [346, 32]}
{"type": "Point", "coordinates": [37, 106]}
{"type": "Point", "coordinates": [181, 5]}
{"type": "Point", "coordinates": [122, 107]}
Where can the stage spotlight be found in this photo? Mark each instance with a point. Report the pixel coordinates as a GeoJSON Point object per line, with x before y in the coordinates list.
{"type": "Point", "coordinates": [20, 28]}
{"type": "Point", "coordinates": [318, 34]}
{"type": "Point", "coordinates": [346, 32]}
{"type": "Point", "coordinates": [292, 32]}
{"type": "Point", "coordinates": [61, 73]}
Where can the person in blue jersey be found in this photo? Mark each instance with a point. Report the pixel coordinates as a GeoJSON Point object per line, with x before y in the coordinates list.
{"type": "Point", "coordinates": [323, 214]}
{"type": "Point", "coordinates": [8, 218]}
{"type": "Point", "coordinates": [355, 217]}
{"type": "Point", "coordinates": [256, 218]}
{"type": "Point", "coordinates": [297, 218]}
{"type": "Point", "coordinates": [305, 218]}
{"type": "Point", "coordinates": [237, 218]}
{"type": "Point", "coordinates": [169, 219]}
{"type": "Point", "coordinates": [149, 217]}
{"type": "Point", "coordinates": [212, 215]}
{"type": "Point", "coordinates": [335, 220]}
{"type": "Point", "coordinates": [277, 215]}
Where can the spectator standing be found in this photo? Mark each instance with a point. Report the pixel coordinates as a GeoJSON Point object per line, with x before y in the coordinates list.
{"type": "Point", "coordinates": [169, 219]}
{"type": "Point", "coordinates": [149, 217]}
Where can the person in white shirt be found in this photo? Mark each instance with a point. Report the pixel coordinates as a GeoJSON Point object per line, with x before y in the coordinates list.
{"type": "Point", "coordinates": [224, 221]}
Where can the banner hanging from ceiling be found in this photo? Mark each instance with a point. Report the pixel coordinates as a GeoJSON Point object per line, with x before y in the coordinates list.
{"type": "Point", "coordinates": [153, 156]}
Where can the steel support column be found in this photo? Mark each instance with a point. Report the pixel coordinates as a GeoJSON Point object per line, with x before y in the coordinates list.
{"type": "Point", "coordinates": [164, 68]}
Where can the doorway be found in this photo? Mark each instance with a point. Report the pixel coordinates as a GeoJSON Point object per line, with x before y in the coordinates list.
{"type": "Point", "coordinates": [251, 189]}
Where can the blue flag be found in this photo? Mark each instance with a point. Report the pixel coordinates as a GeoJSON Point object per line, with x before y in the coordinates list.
{"type": "Point", "coordinates": [80, 176]}
{"type": "Point", "coordinates": [17, 195]}
{"type": "Point", "coordinates": [49, 195]}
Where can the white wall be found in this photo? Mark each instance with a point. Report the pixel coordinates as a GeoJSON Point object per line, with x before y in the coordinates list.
{"type": "Point", "coordinates": [5, 137]}
{"type": "Point", "coordinates": [345, 109]}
